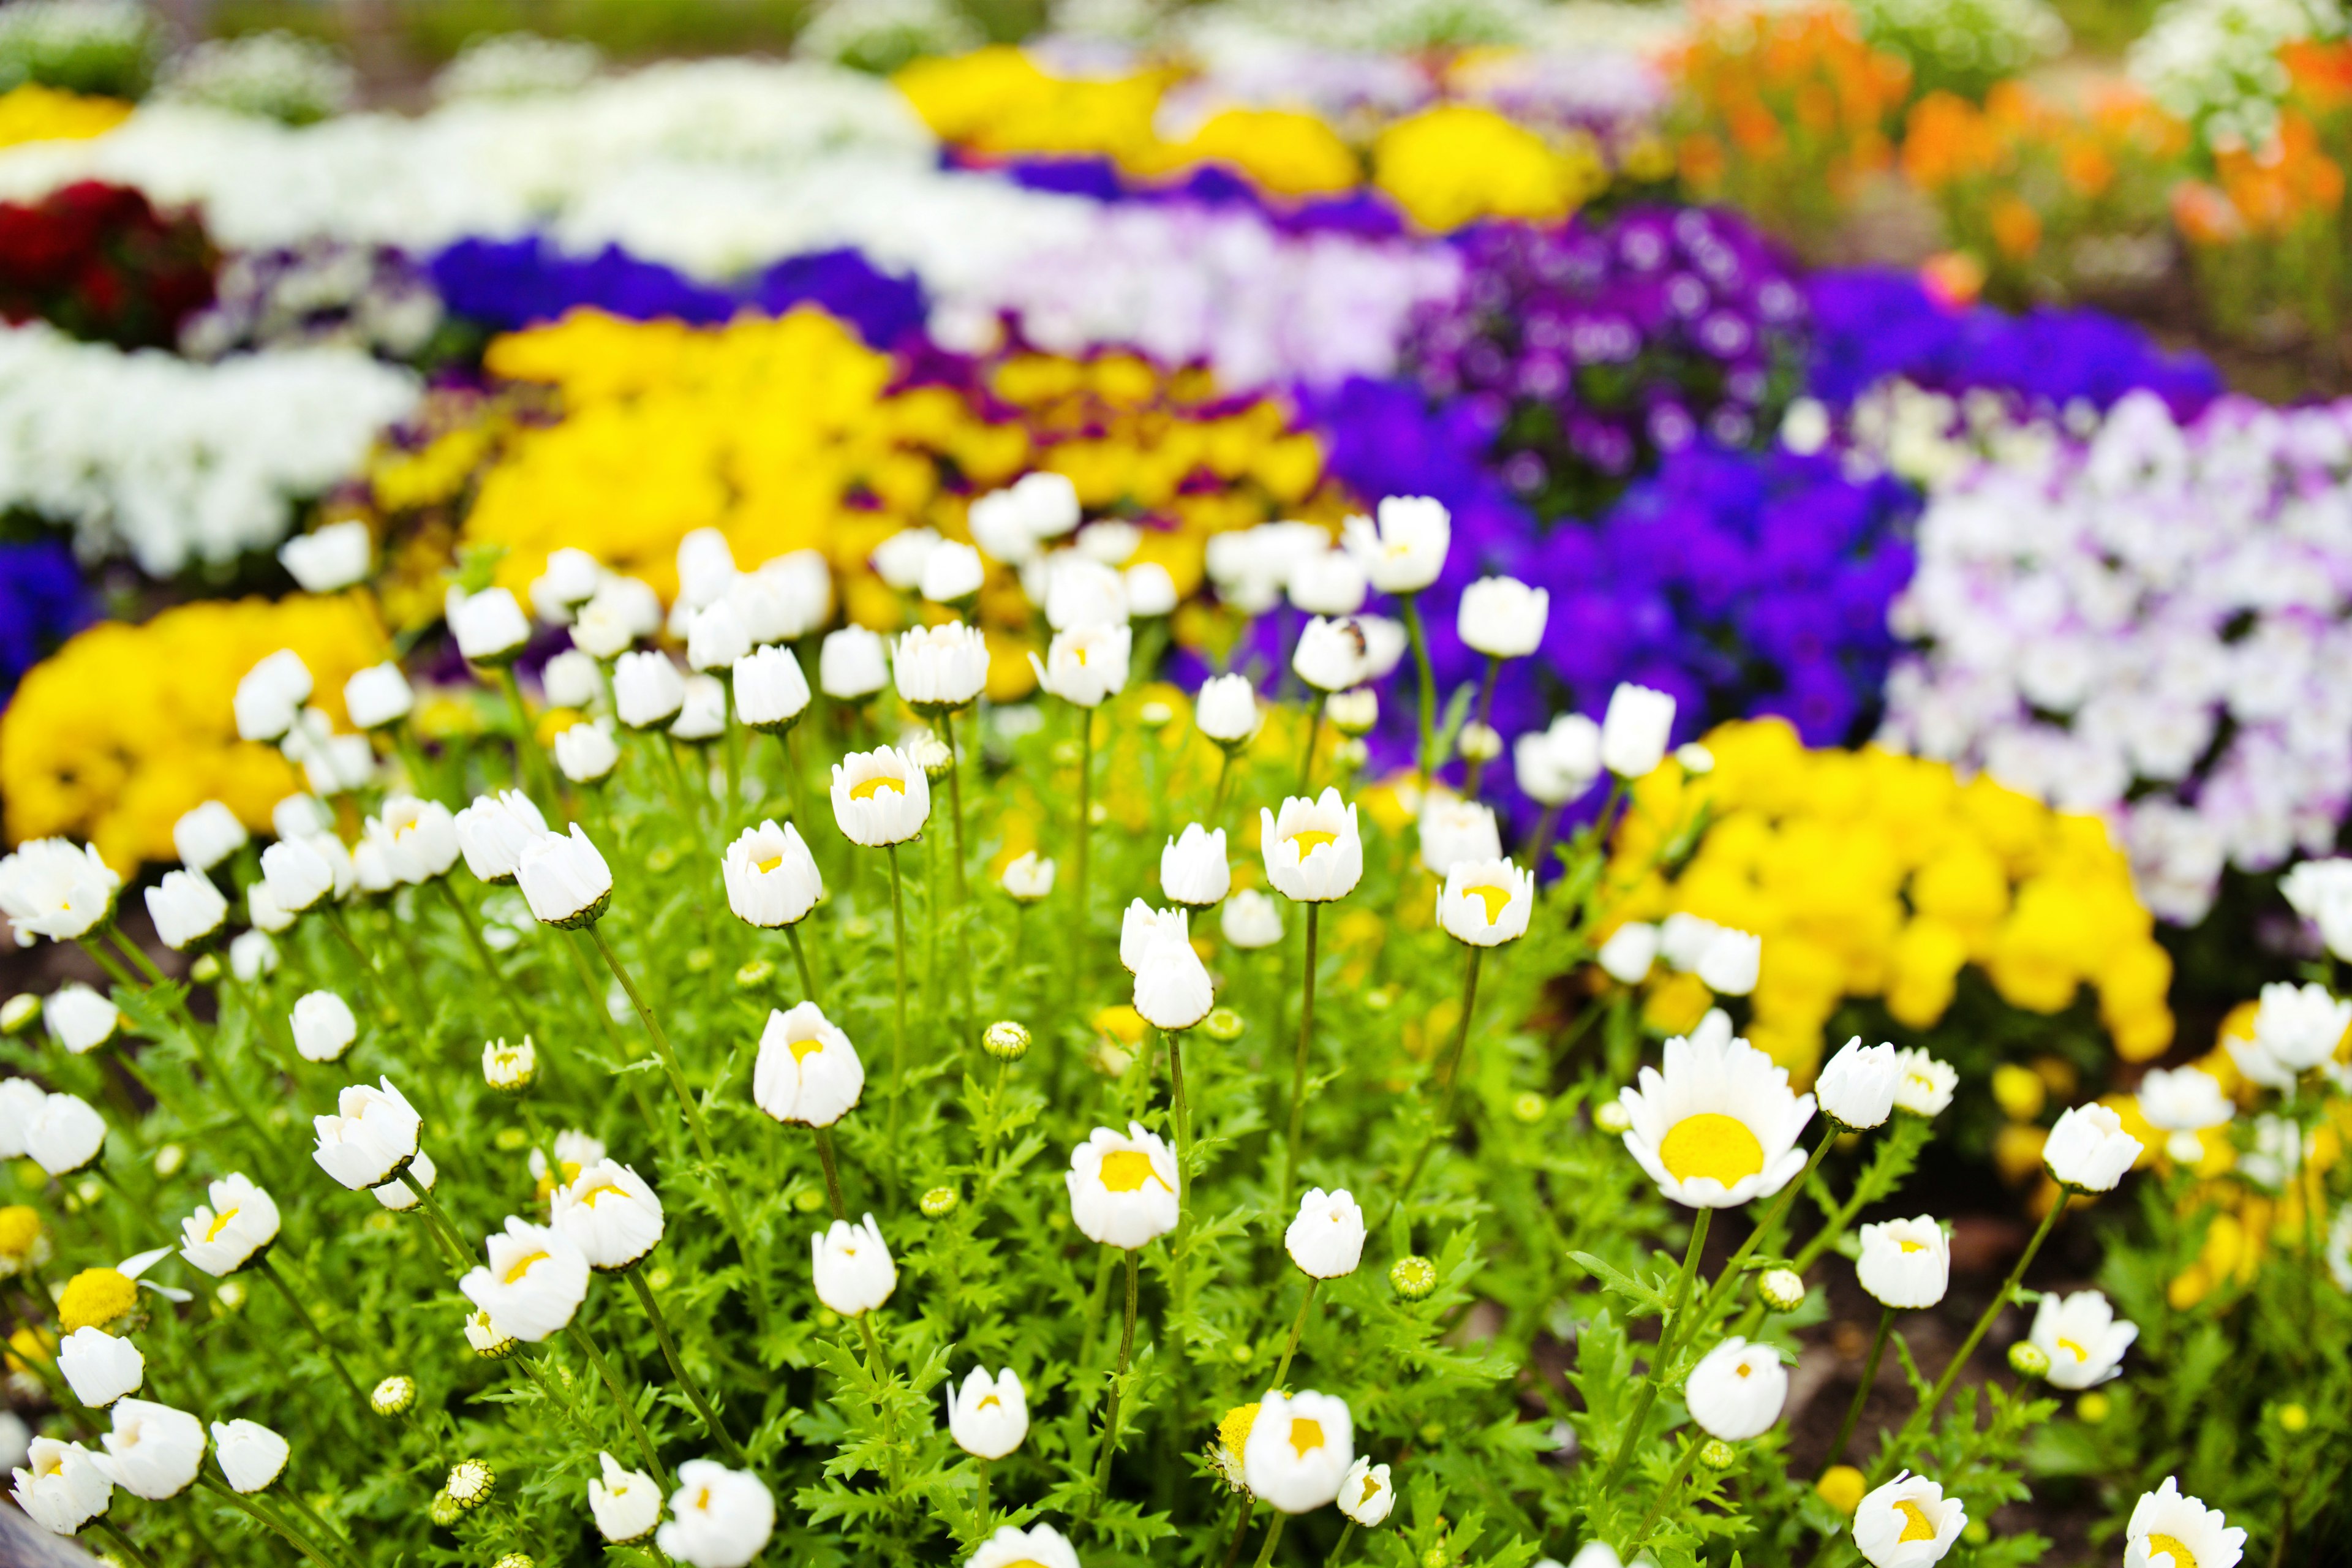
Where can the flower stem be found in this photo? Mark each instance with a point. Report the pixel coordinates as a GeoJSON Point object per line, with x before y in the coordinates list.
{"type": "Point", "coordinates": [962, 891]}
{"type": "Point", "coordinates": [832, 1172]}
{"type": "Point", "coordinates": [295, 1538]}
{"type": "Point", "coordinates": [1298, 1073]}
{"type": "Point", "coordinates": [1297, 1328]}
{"type": "Point", "coordinates": [1926, 1414]}
{"type": "Point", "coordinates": [1672, 1485]}
{"type": "Point", "coordinates": [113, 1532]}
{"type": "Point", "coordinates": [1659, 1362]}
{"type": "Point", "coordinates": [1408, 610]}
{"type": "Point", "coordinates": [800, 962]}
{"type": "Point", "coordinates": [1224, 781]}
{"type": "Point", "coordinates": [1274, 1531]}
{"type": "Point", "coordinates": [628, 1406]}
{"type": "Point", "coordinates": [1110, 1415]}
{"type": "Point", "coordinates": [268, 1271]}
{"type": "Point", "coordinates": [677, 1369]}
{"type": "Point", "coordinates": [529, 764]}
{"type": "Point", "coordinates": [1314, 734]}
{"type": "Point", "coordinates": [437, 1219]}
{"type": "Point", "coordinates": [471, 926]}
{"type": "Point", "coordinates": [898, 1039]}
{"type": "Point", "coordinates": [1347, 1534]}
{"type": "Point", "coordinates": [1084, 834]}
{"type": "Point", "coordinates": [1861, 1390]}
{"type": "Point", "coordinates": [1443, 1126]}
{"type": "Point", "coordinates": [1475, 765]}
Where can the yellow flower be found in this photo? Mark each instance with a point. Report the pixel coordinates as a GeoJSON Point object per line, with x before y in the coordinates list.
{"type": "Point", "coordinates": [1278, 150]}
{"type": "Point", "coordinates": [36, 113]}
{"type": "Point", "coordinates": [95, 1298]}
{"type": "Point", "coordinates": [1455, 164]}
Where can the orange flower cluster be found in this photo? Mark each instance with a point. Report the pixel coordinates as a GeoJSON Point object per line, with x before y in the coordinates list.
{"type": "Point", "coordinates": [1785, 111]}
{"type": "Point", "coordinates": [2265, 194]}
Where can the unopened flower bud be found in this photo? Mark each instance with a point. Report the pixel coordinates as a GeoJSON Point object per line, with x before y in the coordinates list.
{"type": "Point", "coordinates": [206, 969]}
{"type": "Point", "coordinates": [1529, 1107]}
{"type": "Point", "coordinates": [486, 1342]}
{"type": "Point", "coordinates": [471, 1481]}
{"type": "Point", "coordinates": [1783, 1289]}
{"type": "Point", "coordinates": [931, 754]}
{"type": "Point", "coordinates": [938, 1203]}
{"type": "Point", "coordinates": [2094, 1408]}
{"type": "Point", "coordinates": [1480, 742]}
{"type": "Point", "coordinates": [1006, 1041]}
{"type": "Point", "coordinates": [1222, 1023]}
{"type": "Point", "coordinates": [19, 1012]}
{"type": "Point", "coordinates": [1611, 1118]}
{"type": "Point", "coordinates": [2028, 1360]}
{"type": "Point", "coordinates": [1718, 1455]}
{"type": "Point", "coordinates": [508, 1068]}
{"type": "Point", "coordinates": [2293, 1417]}
{"type": "Point", "coordinates": [516, 1560]}
{"type": "Point", "coordinates": [1353, 713]}
{"type": "Point", "coordinates": [395, 1395]}
{"type": "Point", "coordinates": [754, 974]}
{"type": "Point", "coordinates": [1412, 1277]}
{"type": "Point", "coordinates": [444, 1510]}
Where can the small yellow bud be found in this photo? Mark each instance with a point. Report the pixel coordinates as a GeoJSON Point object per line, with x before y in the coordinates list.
{"type": "Point", "coordinates": [1841, 1487]}
{"type": "Point", "coordinates": [444, 1510]}
{"type": "Point", "coordinates": [1529, 1107]}
{"type": "Point", "coordinates": [1783, 1289]}
{"type": "Point", "coordinates": [18, 1013]}
{"type": "Point", "coordinates": [1718, 1455]}
{"type": "Point", "coordinates": [698, 960]}
{"type": "Point", "coordinates": [2094, 1408]}
{"type": "Point", "coordinates": [938, 1202]}
{"type": "Point", "coordinates": [1611, 1118]}
{"type": "Point", "coordinates": [2028, 1360]}
{"type": "Point", "coordinates": [2293, 1417]}
{"type": "Point", "coordinates": [205, 970]}
{"type": "Point", "coordinates": [1414, 1277]}
{"type": "Point", "coordinates": [169, 1158]}
{"type": "Point", "coordinates": [754, 974]}
{"type": "Point", "coordinates": [1222, 1023]}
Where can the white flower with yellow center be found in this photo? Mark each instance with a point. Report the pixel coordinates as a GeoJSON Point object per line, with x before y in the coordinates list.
{"type": "Point", "coordinates": [508, 1068]}
{"type": "Point", "coordinates": [370, 1137]}
{"type": "Point", "coordinates": [2170, 1530]}
{"type": "Point", "coordinates": [494, 831]}
{"type": "Point", "coordinates": [1313, 849]}
{"type": "Point", "coordinates": [1904, 1263]}
{"type": "Point", "coordinates": [1367, 1495]}
{"type": "Point", "coordinates": [1405, 549]}
{"type": "Point", "coordinates": [987, 1417]}
{"type": "Point", "coordinates": [1039, 1546]}
{"type": "Point", "coordinates": [1085, 664]}
{"type": "Point", "coordinates": [626, 1504]}
{"type": "Point", "coordinates": [807, 1071]}
{"type": "Point", "coordinates": [155, 1451]}
{"type": "Point", "coordinates": [1926, 1085]}
{"type": "Point", "coordinates": [611, 1214]}
{"type": "Point", "coordinates": [535, 1281]}
{"type": "Point", "coordinates": [1907, 1523]}
{"type": "Point", "coordinates": [1299, 1450]}
{"type": "Point", "coordinates": [1122, 1189]}
{"type": "Point", "coordinates": [225, 1235]}
{"type": "Point", "coordinates": [1720, 1126]}
{"type": "Point", "coordinates": [418, 837]}
{"type": "Point", "coordinates": [771, 878]}
{"type": "Point", "coordinates": [1485, 902]}
{"type": "Point", "coordinates": [1326, 1238]}
{"type": "Point", "coordinates": [1736, 1390]}
{"type": "Point", "coordinates": [719, 1518]}
{"type": "Point", "coordinates": [575, 1152]}
{"type": "Point", "coordinates": [1027, 877]}
{"type": "Point", "coordinates": [62, 1489]}
{"type": "Point", "coordinates": [1454, 830]}
{"type": "Point", "coordinates": [2088, 1149]}
{"type": "Point", "coordinates": [2183, 1102]}
{"type": "Point", "coordinates": [2083, 1337]}
{"type": "Point", "coordinates": [880, 796]}
{"type": "Point", "coordinates": [854, 1270]}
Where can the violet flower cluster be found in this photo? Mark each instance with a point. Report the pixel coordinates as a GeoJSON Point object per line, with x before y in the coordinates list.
{"type": "Point", "coordinates": [1594, 350]}
{"type": "Point", "coordinates": [42, 601]}
{"type": "Point", "coordinates": [2156, 624]}
{"type": "Point", "coordinates": [366, 297]}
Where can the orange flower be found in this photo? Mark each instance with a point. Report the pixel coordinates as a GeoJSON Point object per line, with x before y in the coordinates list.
{"type": "Point", "coordinates": [2016, 227]}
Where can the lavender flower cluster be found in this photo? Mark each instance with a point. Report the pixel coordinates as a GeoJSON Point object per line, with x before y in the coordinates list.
{"type": "Point", "coordinates": [2153, 623]}
{"type": "Point", "coordinates": [366, 297]}
{"type": "Point", "coordinates": [1593, 351]}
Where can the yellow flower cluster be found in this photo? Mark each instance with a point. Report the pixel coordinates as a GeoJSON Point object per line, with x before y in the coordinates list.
{"type": "Point", "coordinates": [786, 434]}
{"type": "Point", "coordinates": [127, 727]}
{"type": "Point", "coordinates": [1446, 167]}
{"type": "Point", "coordinates": [36, 113]}
{"type": "Point", "coordinates": [1870, 874]}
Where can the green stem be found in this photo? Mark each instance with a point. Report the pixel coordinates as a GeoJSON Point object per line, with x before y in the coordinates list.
{"type": "Point", "coordinates": [439, 1220]}
{"type": "Point", "coordinates": [1110, 1417]}
{"type": "Point", "coordinates": [1314, 737]}
{"type": "Point", "coordinates": [899, 1039]}
{"type": "Point", "coordinates": [677, 1369]}
{"type": "Point", "coordinates": [1443, 1126]}
{"type": "Point", "coordinates": [1862, 1391]}
{"type": "Point", "coordinates": [529, 762]}
{"type": "Point", "coordinates": [800, 962]}
{"type": "Point", "coordinates": [1409, 611]}
{"type": "Point", "coordinates": [1084, 834]}
{"type": "Point", "coordinates": [113, 1532]}
{"type": "Point", "coordinates": [1659, 1362]}
{"type": "Point", "coordinates": [1347, 1534]}
{"type": "Point", "coordinates": [628, 1406]}
{"type": "Point", "coordinates": [1224, 781]}
{"type": "Point", "coordinates": [1241, 1531]}
{"type": "Point", "coordinates": [295, 1538]}
{"type": "Point", "coordinates": [1298, 1329]}
{"type": "Point", "coordinates": [1926, 1414]}
{"type": "Point", "coordinates": [471, 926]}
{"type": "Point", "coordinates": [1273, 1534]}
{"type": "Point", "coordinates": [1728, 1280]}
{"type": "Point", "coordinates": [1183, 1110]}
{"type": "Point", "coordinates": [832, 1172]}
{"type": "Point", "coordinates": [1298, 1072]}
{"type": "Point", "coordinates": [1673, 1484]}
{"type": "Point", "coordinates": [1476, 765]}
{"type": "Point", "coordinates": [268, 1271]}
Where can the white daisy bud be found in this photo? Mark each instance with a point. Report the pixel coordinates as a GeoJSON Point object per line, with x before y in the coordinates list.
{"type": "Point", "coordinates": [1405, 551]}
{"type": "Point", "coordinates": [987, 1417]}
{"type": "Point", "coordinates": [626, 1504]}
{"type": "Point", "coordinates": [1327, 582]}
{"type": "Point", "coordinates": [1904, 1263]}
{"type": "Point", "coordinates": [1313, 851]}
{"type": "Point", "coordinates": [418, 837]}
{"type": "Point", "coordinates": [570, 578]}
{"type": "Point", "coordinates": [719, 1518]}
{"type": "Point", "coordinates": [1028, 877]}
{"type": "Point", "coordinates": [1150, 591]}
{"type": "Point", "coordinates": [1082, 593]}
{"type": "Point", "coordinates": [1634, 731]}
{"type": "Point", "coordinates": [1226, 710]}
{"type": "Point", "coordinates": [508, 1068]}
{"type": "Point", "coordinates": [153, 1451]}
{"type": "Point", "coordinates": [1085, 664]}
{"type": "Point", "coordinates": [771, 878]}
{"type": "Point", "coordinates": [252, 956]}
{"type": "Point", "coordinates": [490, 626]}
{"type": "Point", "coordinates": [565, 880]}
{"type": "Point", "coordinates": [1555, 765]}
{"type": "Point", "coordinates": [534, 1282]}
{"type": "Point", "coordinates": [1326, 1238]}
{"type": "Point", "coordinates": [771, 693]}
{"type": "Point", "coordinates": [1192, 867]}
{"type": "Point", "coordinates": [1736, 1390]}
{"type": "Point", "coordinates": [1366, 1494]}
{"type": "Point", "coordinates": [2300, 1025]}
{"type": "Point", "coordinates": [228, 1233]}
{"type": "Point", "coordinates": [79, 1019]}
{"type": "Point", "coordinates": [880, 797]}
{"type": "Point", "coordinates": [647, 689]}
{"type": "Point", "coordinates": [63, 1488]}
{"type": "Point", "coordinates": [611, 1214]}
{"type": "Point", "coordinates": [370, 1138]}
{"type": "Point", "coordinates": [1172, 985]}
{"type": "Point", "coordinates": [377, 696]}
{"type": "Point", "coordinates": [703, 715]}
{"type": "Point", "coordinates": [207, 835]}
{"type": "Point", "coordinates": [937, 669]}
{"type": "Point", "coordinates": [1783, 1289]}
{"type": "Point", "coordinates": [853, 1268]}
{"type": "Point", "coordinates": [1502, 617]}
{"type": "Point", "coordinates": [1907, 1523]}
{"type": "Point", "coordinates": [807, 1071]}
{"type": "Point", "coordinates": [64, 1135]}
{"type": "Point", "coordinates": [1485, 902]}
{"type": "Point", "coordinates": [100, 1367]}
{"type": "Point", "coordinates": [1039, 1546]}
{"type": "Point", "coordinates": [400, 1195]}
{"type": "Point", "coordinates": [1731, 962]}
{"type": "Point", "coordinates": [1856, 1087]}
{"type": "Point", "coordinates": [952, 573]}
{"type": "Point", "coordinates": [850, 663]}
{"type": "Point", "coordinates": [899, 560]}
{"type": "Point", "coordinates": [1250, 920]}
{"type": "Point", "coordinates": [186, 907]}
{"type": "Point", "coordinates": [717, 637]}
{"type": "Point", "coordinates": [324, 1026]}
{"type": "Point", "coordinates": [251, 1455]}
{"type": "Point", "coordinates": [1299, 1450]}
{"type": "Point", "coordinates": [298, 873]}
{"type": "Point", "coordinates": [570, 680]}
{"type": "Point", "coordinates": [1926, 1084]}
{"type": "Point", "coordinates": [1354, 712]}
{"type": "Point", "coordinates": [1141, 924]}
{"type": "Point", "coordinates": [269, 698]}
{"type": "Point", "coordinates": [329, 558]}
{"type": "Point", "coordinates": [2088, 1149]}
{"type": "Point", "coordinates": [586, 751]}
{"type": "Point", "coordinates": [1332, 656]}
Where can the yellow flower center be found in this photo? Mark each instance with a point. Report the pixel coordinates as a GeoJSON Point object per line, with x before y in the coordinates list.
{"type": "Point", "coordinates": [803, 1049]}
{"type": "Point", "coordinates": [2170, 1546]}
{"type": "Point", "coordinates": [876, 785]}
{"type": "Point", "coordinates": [1126, 1170]}
{"type": "Point", "coordinates": [1306, 1436]}
{"type": "Point", "coordinates": [220, 1224]}
{"type": "Point", "coordinates": [1917, 1525]}
{"type": "Point", "coordinates": [522, 1266]}
{"type": "Point", "coordinates": [1235, 1430]}
{"type": "Point", "coordinates": [1912, 1245]}
{"type": "Point", "coordinates": [20, 1230]}
{"type": "Point", "coordinates": [1496, 900]}
{"type": "Point", "coordinates": [593, 1193]}
{"type": "Point", "coordinates": [1078, 652]}
{"type": "Point", "coordinates": [701, 1498]}
{"type": "Point", "coordinates": [987, 1400]}
{"type": "Point", "coordinates": [94, 1297]}
{"type": "Point", "coordinates": [1312, 839]}
{"type": "Point", "coordinates": [1711, 1144]}
{"type": "Point", "coordinates": [1371, 1490]}
{"type": "Point", "coordinates": [772, 861]}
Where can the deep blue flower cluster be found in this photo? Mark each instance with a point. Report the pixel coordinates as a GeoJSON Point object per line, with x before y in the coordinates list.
{"type": "Point", "coordinates": [1871, 324]}
{"type": "Point", "coordinates": [42, 601]}
{"type": "Point", "coordinates": [1594, 349]}
{"type": "Point", "coordinates": [506, 284]}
